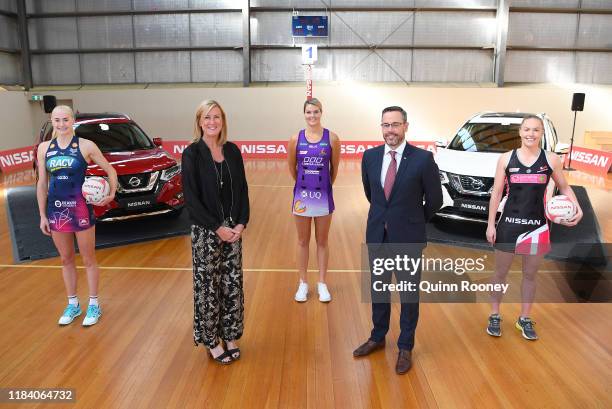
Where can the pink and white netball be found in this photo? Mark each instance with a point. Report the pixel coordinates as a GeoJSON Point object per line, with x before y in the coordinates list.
{"type": "Point", "coordinates": [95, 189]}
{"type": "Point", "coordinates": [560, 208]}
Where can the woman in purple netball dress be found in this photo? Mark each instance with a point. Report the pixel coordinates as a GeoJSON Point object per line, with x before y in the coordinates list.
{"type": "Point", "coordinates": [314, 155]}
{"type": "Point", "coordinates": [64, 214]}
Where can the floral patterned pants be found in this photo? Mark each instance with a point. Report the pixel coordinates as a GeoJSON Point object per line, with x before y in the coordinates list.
{"type": "Point", "coordinates": [217, 288]}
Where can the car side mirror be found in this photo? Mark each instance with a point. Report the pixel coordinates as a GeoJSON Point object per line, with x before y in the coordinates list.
{"type": "Point", "coordinates": [441, 143]}
{"type": "Point", "coordinates": [157, 141]}
{"type": "Point", "coordinates": [562, 148]}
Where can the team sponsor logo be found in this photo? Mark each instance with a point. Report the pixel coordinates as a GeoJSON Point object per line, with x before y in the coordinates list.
{"type": "Point", "coordinates": [542, 169]}
{"type": "Point", "coordinates": [311, 194]}
{"type": "Point", "coordinates": [312, 160]}
{"type": "Point", "coordinates": [299, 207]}
{"type": "Point", "coordinates": [513, 170]}
{"type": "Point", "coordinates": [323, 143]}
{"type": "Point", "coordinates": [83, 222]}
{"type": "Point", "coordinates": [60, 162]}
{"type": "Point", "coordinates": [311, 172]}
{"type": "Point", "coordinates": [534, 242]}
{"type": "Point", "coordinates": [303, 144]}
{"type": "Point", "coordinates": [517, 220]}
{"type": "Point", "coordinates": [73, 151]}
{"type": "Point", "coordinates": [323, 152]}
{"type": "Point", "coordinates": [65, 203]}
{"type": "Point", "coordinates": [59, 219]}
{"type": "Point", "coordinates": [51, 153]}
{"type": "Point", "coordinates": [303, 152]}
{"type": "Point", "coordinates": [474, 206]}
{"type": "Point", "coordinates": [62, 177]}
{"type": "Point", "coordinates": [523, 178]}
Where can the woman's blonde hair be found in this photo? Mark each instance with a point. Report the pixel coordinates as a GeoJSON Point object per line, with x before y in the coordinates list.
{"type": "Point", "coordinates": [66, 110]}
{"type": "Point", "coordinates": [203, 109]}
{"type": "Point", "coordinates": [314, 102]}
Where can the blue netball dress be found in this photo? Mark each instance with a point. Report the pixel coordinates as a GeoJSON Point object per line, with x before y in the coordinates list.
{"type": "Point", "coordinates": [312, 194]}
{"type": "Point", "coordinates": [67, 209]}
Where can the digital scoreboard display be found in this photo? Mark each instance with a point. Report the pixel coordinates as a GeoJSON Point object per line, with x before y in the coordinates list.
{"type": "Point", "coordinates": [309, 26]}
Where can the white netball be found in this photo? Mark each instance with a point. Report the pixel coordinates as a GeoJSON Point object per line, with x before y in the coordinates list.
{"type": "Point", "coordinates": [560, 208]}
{"type": "Point", "coordinates": [95, 189]}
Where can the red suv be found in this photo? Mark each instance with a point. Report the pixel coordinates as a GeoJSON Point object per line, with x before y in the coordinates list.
{"type": "Point", "coordinates": [149, 178]}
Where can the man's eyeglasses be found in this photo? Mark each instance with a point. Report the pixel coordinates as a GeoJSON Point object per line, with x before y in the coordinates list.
{"type": "Point", "coordinates": [394, 125]}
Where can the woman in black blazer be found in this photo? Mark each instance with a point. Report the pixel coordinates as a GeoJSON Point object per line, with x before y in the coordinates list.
{"type": "Point", "coordinates": [217, 198]}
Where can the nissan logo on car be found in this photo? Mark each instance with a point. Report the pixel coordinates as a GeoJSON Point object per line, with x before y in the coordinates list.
{"type": "Point", "coordinates": [139, 203]}
{"type": "Point", "coordinates": [134, 181]}
{"type": "Point", "coordinates": [476, 184]}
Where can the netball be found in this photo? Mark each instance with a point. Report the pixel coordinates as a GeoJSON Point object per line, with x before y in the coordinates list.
{"type": "Point", "coordinates": [560, 208]}
{"type": "Point", "coordinates": [95, 189]}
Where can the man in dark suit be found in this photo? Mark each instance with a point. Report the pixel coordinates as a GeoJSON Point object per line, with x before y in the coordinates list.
{"type": "Point", "coordinates": [402, 184]}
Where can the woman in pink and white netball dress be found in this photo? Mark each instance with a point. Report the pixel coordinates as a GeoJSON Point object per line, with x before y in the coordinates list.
{"type": "Point", "coordinates": [522, 228]}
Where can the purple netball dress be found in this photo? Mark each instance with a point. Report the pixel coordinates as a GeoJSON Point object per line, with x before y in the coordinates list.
{"type": "Point", "coordinates": [66, 207]}
{"type": "Point", "coordinates": [312, 194]}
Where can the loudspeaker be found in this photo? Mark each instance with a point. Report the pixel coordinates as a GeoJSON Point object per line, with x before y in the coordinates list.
{"type": "Point", "coordinates": [578, 102]}
{"type": "Point", "coordinates": [50, 102]}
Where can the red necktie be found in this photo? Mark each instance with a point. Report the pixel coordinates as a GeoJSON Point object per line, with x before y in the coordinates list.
{"type": "Point", "coordinates": [390, 176]}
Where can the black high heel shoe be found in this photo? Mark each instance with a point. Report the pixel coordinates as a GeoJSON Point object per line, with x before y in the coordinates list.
{"type": "Point", "coordinates": [233, 351]}
{"type": "Point", "coordinates": [221, 358]}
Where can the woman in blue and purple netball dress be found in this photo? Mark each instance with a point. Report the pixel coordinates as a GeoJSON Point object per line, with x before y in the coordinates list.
{"type": "Point", "coordinates": [64, 214]}
{"type": "Point", "coordinates": [314, 155]}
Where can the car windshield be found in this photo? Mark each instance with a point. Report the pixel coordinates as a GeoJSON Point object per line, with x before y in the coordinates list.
{"type": "Point", "coordinates": [487, 137]}
{"type": "Point", "coordinates": [115, 137]}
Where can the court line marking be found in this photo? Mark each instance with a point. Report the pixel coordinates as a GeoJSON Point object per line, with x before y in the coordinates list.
{"type": "Point", "coordinates": [249, 270]}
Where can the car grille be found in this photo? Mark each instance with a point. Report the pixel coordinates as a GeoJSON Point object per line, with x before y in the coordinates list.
{"type": "Point", "coordinates": [141, 182]}
{"type": "Point", "coordinates": [471, 185]}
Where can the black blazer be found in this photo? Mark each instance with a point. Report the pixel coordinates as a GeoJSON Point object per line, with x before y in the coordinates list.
{"type": "Point", "coordinates": [405, 213]}
{"type": "Point", "coordinates": [202, 198]}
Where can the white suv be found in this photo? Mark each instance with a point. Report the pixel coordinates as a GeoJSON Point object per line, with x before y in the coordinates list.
{"type": "Point", "coordinates": [467, 164]}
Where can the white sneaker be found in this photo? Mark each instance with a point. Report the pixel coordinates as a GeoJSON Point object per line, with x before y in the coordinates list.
{"type": "Point", "coordinates": [94, 312]}
{"type": "Point", "coordinates": [302, 293]}
{"type": "Point", "coordinates": [324, 295]}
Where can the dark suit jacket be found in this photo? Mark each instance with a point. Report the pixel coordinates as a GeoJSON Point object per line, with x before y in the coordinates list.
{"type": "Point", "coordinates": [202, 198]}
{"type": "Point", "coordinates": [405, 213]}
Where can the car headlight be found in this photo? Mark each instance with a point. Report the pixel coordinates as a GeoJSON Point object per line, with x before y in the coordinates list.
{"type": "Point", "coordinates": [171, 172]}
{"type": "Point", "coordinates": [443, 177]}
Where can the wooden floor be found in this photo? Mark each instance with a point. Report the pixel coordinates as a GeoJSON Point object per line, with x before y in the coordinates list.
{"type": "Point", "coordinates": [141, 354]}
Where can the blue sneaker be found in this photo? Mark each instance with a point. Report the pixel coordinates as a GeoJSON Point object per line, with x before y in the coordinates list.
{"type": "Point", "coordinates": [525, 325]}
{"type": "Point", "coordinates": [70, 313]}
{"type": "Point", "coordinates": [494, 327]}
{"type": "Point", "coordinates": [94, 312]}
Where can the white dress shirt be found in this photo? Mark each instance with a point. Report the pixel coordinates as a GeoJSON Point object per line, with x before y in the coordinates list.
{"type": "Point", "coordinates": [387, 160]}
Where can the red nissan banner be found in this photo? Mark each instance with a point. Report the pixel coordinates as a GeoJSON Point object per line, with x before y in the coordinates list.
{"type": "Point", "coordinates": [22, 158]}
{"type": "Point", "coordinates": [278, 149]}
{"type": "Point", "coordinates": [15, 159]}
{"type": "Point", "coordinates": [590, 160]}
